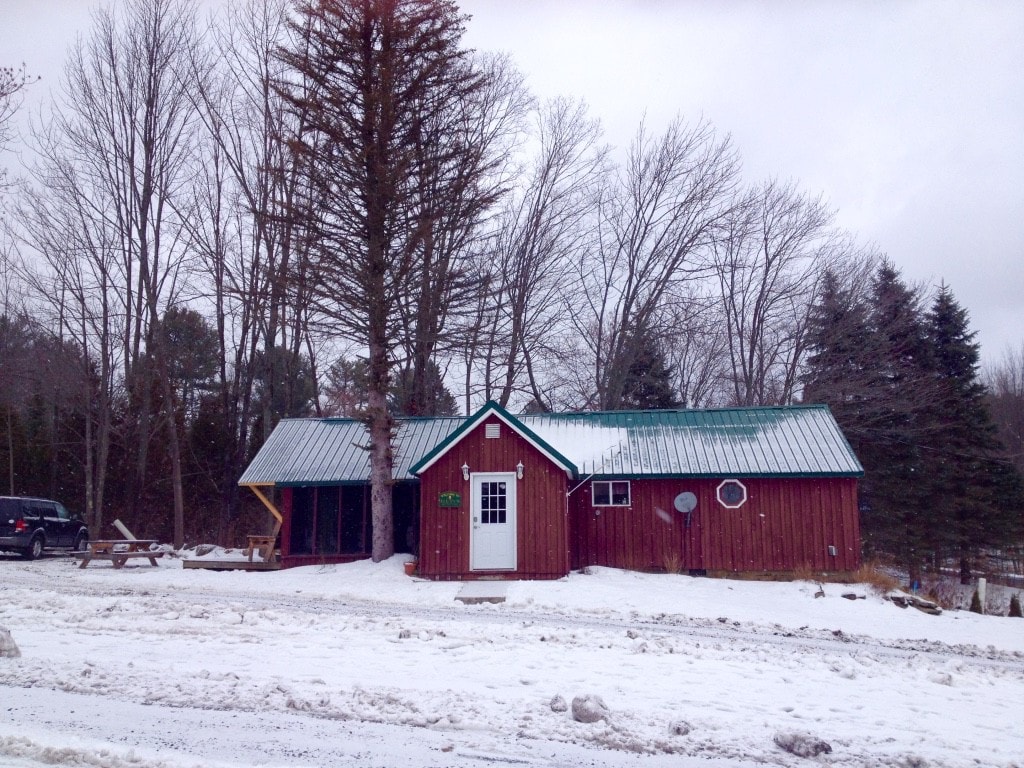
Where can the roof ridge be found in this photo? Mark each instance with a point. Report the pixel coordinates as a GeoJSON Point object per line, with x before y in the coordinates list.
{"type": "Point", "coordinates": [717, 409]}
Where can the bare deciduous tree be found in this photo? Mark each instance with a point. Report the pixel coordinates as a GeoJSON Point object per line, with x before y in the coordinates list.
{"type": "Point", "coordinates": [695, 347]}
{"type": "Point", "coordinates": [773, 248]}
{"type": "Point", "coordinates": [113, 192]}
{"type": "Point", "coordinates": [461, 169]}
{"type": "Point", "coordinates": [1005, 382]}
{"type": "Point", "coordinates": [541, 233]}
{"type": "Point", "coordinates": [249, 248]}
{"type": "Point", "coordinates": [13, 81]}
{"type": "Point", "coordinates": [659, 219]}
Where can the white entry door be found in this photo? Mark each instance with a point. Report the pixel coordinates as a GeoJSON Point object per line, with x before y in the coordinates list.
{"type": "Point", "coordinates": [493, 533]}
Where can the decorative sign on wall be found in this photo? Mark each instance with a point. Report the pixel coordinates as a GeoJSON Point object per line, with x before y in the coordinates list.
{"type": "Point", "coordinates": [450, 499]}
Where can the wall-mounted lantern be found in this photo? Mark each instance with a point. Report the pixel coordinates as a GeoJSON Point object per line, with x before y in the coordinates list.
{"type": "Point", "coordinates": [519, 470]}
{"type": "Point", "coordinates": [465, 471]}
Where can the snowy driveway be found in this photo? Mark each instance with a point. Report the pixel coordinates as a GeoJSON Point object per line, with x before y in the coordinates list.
{"type": "Point", "coordinates": [362, 665]}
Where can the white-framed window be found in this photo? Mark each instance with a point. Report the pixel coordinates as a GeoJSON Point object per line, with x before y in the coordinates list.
{"type": "Point", "coordinates": [610, 493]}
{"type": "Point", "coordinates": [732, 494]}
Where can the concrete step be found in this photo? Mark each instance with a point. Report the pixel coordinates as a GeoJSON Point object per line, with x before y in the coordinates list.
{"type": "Point", "coordinates": [475, 592]}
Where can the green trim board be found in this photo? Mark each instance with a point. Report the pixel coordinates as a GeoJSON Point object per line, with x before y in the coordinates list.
{"type": "Point", "coordinates": [722, 475]}
{"type": "Point", "coordinates": [335, 483]}
{"type": "Point", "coordinates": [491, 408]}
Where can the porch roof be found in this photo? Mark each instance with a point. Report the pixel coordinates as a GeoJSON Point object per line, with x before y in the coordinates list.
{"type": "Point", "coordinates": [333, 451]}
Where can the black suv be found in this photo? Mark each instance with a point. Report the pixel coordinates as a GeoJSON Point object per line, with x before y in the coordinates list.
{"type": "Point", "coordinates": [31, 525]}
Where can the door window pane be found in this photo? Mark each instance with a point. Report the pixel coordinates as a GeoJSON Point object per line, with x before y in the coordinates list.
{"type": "Point", "coordinates": [493, 501]}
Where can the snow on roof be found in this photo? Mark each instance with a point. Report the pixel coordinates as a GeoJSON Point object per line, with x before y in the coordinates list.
{"type": "Point", "coordinates": [730, 442]}
{"type": "Point", "coordinates": [586, 445]}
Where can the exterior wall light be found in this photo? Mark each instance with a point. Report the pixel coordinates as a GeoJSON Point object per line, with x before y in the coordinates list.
{"type": "Point", "coordinates": [465, 471]}
{"type": "Point", "coordinates": [519, 470]}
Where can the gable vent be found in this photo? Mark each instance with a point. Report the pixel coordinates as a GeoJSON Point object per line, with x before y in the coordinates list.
{"type": "Point", "coordinates": [492, 431]}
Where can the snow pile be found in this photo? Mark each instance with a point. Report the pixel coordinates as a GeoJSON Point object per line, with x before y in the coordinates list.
{"type": "Point", "coordinates": [8, 648]}
{"type": "Point", "coordinates": [589, 709]}
{"type": "Point", "coordinates": [802, 744]}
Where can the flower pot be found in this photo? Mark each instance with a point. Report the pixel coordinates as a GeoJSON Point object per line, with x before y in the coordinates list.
{"type": "Point", "coordinates": [410, 567]}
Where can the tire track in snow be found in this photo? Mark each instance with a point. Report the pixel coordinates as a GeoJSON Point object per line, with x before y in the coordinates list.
{"type": "Point", "coordinates": [676, 625]}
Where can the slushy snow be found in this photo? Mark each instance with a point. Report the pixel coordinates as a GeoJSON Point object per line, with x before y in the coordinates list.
{"type": "Point", "coordinates": [362, 665]}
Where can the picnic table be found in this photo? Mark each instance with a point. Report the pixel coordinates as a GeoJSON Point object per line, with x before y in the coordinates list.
{"type": "Point", "coordinates": [118, 551]}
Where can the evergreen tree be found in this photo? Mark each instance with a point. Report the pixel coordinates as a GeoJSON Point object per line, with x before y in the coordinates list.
{"type": "Point", "coordinates": [897, 489]}
{"type": "Point", "coordinates": [346, 390]}
{"type": "Point", "coordinates": [975, 494]}
{"type": "Point", "coordinates": [392, 141]}
{"type": "Point", "coordinates": [286, 384]}
{"type": "Point", "coordinates": [648, 381]}
{"type": "Point", "coordinates": [434, 400]}
{"type": "Point", "coordinates": [975, 603]}
{"type": "Point", "coordinates": [192, 355]}
{"type": "Point", "coordinates": [839, 368]}
{"type": "Point", "coordinates": [346, 387]}
{"type": "Point", "coordinates": [867, 361]}
{"type": "Point", "coordinates": [904, 387]}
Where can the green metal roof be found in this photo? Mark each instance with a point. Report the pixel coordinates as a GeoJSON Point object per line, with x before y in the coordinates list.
{"type": "Point", "coordinates": [796, 441]}
{"type": "Point", "coordinates": [778, 442]}
{"type": "Point", "coordinates": [332, 451]}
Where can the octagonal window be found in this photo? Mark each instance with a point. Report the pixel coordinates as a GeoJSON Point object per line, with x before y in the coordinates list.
{"type": "Point", "coordinates": [732, 494]}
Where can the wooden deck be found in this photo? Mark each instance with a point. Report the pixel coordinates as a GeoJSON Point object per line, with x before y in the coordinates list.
{"type": "Point", "coordinates": [231, 565]}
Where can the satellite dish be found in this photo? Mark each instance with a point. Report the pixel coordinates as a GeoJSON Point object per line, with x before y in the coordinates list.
{"type": "Point", "coordinates": [685, 502]}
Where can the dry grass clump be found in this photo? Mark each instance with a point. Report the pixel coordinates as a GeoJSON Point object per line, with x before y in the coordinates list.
{"type": "Point", "coordinates": [872, 575]}
{"type": "Point", "coordinates": [672, 562]}
{"type": "Point", "coordinates": [806, 573]}
{"type": "Point", "coordinates": [948, 594]}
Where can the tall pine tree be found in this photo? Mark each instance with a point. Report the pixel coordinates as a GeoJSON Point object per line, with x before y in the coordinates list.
{"type": "Point", "coordinates": [867, 362]}
{"type": "Point", "coordinates": [976, 502]}
{"type": "Point", "coordinates": [898, 488]}
{"type": "Point", "coordinates": [904, 387]}
{"type": "Point", "coordinates": [840, 371]}
{"type": "Point", "coordinates": [386, 96]}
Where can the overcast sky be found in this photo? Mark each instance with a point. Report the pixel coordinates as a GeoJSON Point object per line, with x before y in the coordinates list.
{"type": "Point", "coordinates": [907, 116]}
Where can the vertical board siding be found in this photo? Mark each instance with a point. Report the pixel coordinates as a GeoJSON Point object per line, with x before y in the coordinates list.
{"type": "Point", "coordinates": [785, 525]}
{"type": "Point", "coordinates": [542, 536]}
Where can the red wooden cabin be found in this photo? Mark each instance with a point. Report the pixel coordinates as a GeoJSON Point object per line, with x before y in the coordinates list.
{"type": "Point", "coordinates": [750, 490]}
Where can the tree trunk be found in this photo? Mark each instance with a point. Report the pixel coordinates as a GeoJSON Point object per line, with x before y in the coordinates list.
{"type": "Point", "coordinates": [380, 425]}
{"type": "Point", "coordinates": [965, 569]}
{"type": "Point", "coordinates": [174, 449]}
{"type": "Point", "coordinates": [10, 450]}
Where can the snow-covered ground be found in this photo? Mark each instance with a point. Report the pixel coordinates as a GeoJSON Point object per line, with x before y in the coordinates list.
{"type": "Point", "coordinates": [360, 665]}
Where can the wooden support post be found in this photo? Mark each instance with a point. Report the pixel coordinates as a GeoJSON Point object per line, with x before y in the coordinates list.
{"type": "Point", "coordinates": [261, 543]}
